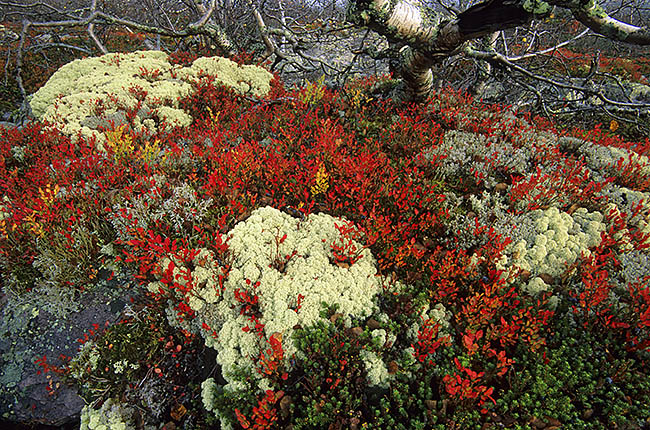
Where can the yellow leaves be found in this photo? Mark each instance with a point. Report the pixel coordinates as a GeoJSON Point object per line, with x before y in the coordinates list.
{"type": "Point", "coordinates": [613, 125]}
{"type": "Point", "coordinates": [35, 217]}
{"type": "Point", "coordinates": [33, 226]}
{"type": "Point", "coordinates": [357, 97]}
{"type": "Point", "coordinates": [321, 183]}
{"type": "Point", "coordinates": [121, 143]}
{"type": "Point", "coordinates": [48, 194]}
{"type": "Point", "coordinates": [314, 92]}
{"type": "Point", "coordinates": [213, 117]}
{"type": "Point", "coordinates": [178, 412]}
{"type": "Point", "coordinates": [150, 150]}
{"type": "Point", "coordinates": [46, 197]}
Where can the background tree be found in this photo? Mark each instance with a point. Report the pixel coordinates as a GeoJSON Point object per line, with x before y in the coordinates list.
{"type": "Point", "coordinates": [556, 57]}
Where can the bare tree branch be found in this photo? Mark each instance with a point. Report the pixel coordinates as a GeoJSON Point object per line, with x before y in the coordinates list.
{"type": "Point", "coordinates": [592, 15]}
{"type": "Point", "coordinates": [549, 50]}
{"type": "Point", "coordinates": [424, 46]}
{"type": "Point", "coordinates": [497, 58]}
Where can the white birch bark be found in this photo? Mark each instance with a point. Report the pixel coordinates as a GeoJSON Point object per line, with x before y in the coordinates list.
{"type": "Point", "coordinates": [435, 37]}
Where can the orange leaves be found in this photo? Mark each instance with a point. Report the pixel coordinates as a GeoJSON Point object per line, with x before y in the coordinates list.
{"type": "Point", "coordinates": [563, 181]}
{"type": "Point", "coordinates": [270, 361]}
{"type": "Point", "coordinates": [599, 309]}
{"type": "Point", "coordinates": [488, 318]}
{"type": "Point", "coordinates": [344, 251]}
{"type": "Point", "coordinates": [579, 62]}
{"type": "Point", "coordinates": [264, 414]}
{"type": "Point", "coordinates": [243, 421]}
{"type": "Point", "coordinates": [243, 154]}
{"type": "Point", "coordinates": [466, 385]}
{"type": "Point", "coordinates": [469, 339]}
{"type": "Point", "coordinates": [149, 75]}
{"type": "Point", "coordinates": [250, 301]}
{"type": "Point", "coordinates": [631, 172]}
{"type": "Point", "coordinates": [449, 271]}
{"type": "Point", "coordinates": [428, 342]}
{"type": "Point", "coordinates": [503, 363]}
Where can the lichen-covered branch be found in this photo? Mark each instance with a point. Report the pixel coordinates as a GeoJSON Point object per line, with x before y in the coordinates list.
{"type": "Point", "coordinates": [261, 25]}
{"type": "Point", "coordinates": [593, 16]}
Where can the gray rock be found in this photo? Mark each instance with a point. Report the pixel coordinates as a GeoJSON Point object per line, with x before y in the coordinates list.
{"type": "Point", "coordinates": [27, 332]}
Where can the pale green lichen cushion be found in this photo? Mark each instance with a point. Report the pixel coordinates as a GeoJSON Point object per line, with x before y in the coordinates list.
{"type": "Point", "coordinates": [254, 245]}
{"type": "Point", "coordinates": [69, 98]}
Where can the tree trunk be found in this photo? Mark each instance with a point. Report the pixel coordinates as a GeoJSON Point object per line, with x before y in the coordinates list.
{"type": "Point", "coordinates": [432, 37]}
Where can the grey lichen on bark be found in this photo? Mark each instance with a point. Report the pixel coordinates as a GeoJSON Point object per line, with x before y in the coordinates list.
{"type": "Point", "coordinates": [403, 22]}
{"type": "Point", "coordinates": [591, 14]}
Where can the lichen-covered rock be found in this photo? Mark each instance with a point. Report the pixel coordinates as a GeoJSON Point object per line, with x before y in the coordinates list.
{"type": "Point", "coordinates": [83, 92]}
{"type": "Point", "coordinates": [603, 159]}
{"type": "Point", "coordinates": [41, 324]}
{"type": "Point", "coordinates": [463, 152]}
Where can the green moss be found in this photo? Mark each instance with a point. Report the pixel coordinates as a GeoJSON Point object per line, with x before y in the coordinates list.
{"type": "Point", "coordinates": [583, 383]}
{"type": "Point", "coordinates": [537, 7]}
{"type": "Point", "coordinates": [596, 10]}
